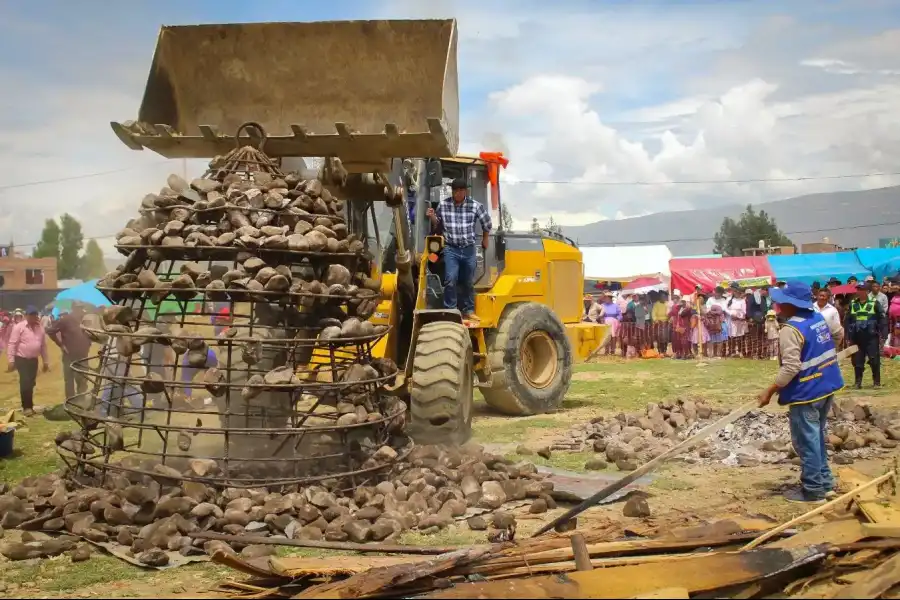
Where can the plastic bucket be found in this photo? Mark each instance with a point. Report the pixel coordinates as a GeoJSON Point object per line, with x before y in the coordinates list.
{"type": "Point", "coordinates": [6, 443]}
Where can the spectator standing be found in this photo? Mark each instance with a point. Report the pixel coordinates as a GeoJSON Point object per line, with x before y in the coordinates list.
{"type": "Point", "coordinates": [772, 334]}
{"type": "Point", "coordinates": [736, 310]}
{"type": "Point", "coordinates": [27, 343]}
{"type": "Point", "coordinates": [824, 307]}
{"type": "Point", "coordinates": [715, 322]}
{"type": "Point", "coordinates": [863, 324]}
{"type": "Point", "coordinates": [876, 293]}
{"type": "Point", "coordinates": [659, 314]}
{"type": "Point", "coordinates": [75, 345]}
{"type": "Point", "coordinates": [612, 316]}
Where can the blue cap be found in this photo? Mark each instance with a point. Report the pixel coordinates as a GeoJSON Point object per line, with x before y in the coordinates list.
{"type": "Point", "coordinates": [32, 310]}
{"type": "Point", "coordinates": [795, 293]}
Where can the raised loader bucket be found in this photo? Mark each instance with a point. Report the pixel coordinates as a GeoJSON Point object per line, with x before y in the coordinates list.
{"type": "Point", "coordinates": [365, 91]}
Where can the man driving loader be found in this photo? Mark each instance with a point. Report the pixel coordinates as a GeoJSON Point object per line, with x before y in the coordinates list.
{"type": "Point", "coordinates": [455, 219]}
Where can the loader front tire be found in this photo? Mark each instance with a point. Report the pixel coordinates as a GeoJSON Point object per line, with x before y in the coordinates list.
{"type": "Point", "coordinates": [441, 390]}
{"type": "Point", "coordinates": [531, 362]}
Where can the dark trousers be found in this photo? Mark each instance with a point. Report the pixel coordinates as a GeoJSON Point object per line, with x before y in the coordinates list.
{"type": "Point", "coordinates": [75, 382]}
{"type": "Point", "coordinates": [28, 370]}
{"type": "Point", "coordinates": [459, 270]}
{"type": "Point", "coordinates": [869, 348]}
{"type": "Point", "coordinates": [807, 423]}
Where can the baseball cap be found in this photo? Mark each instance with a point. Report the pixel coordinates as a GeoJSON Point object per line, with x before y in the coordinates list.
{"type": "Point", "coordinates": [870, 278]}
{"type": "Point", "coordinates": [32, 310]}
{"type": "Point", "coordinates": [459, 184]}
{"type": "Point", "coordinates": [861, 286]}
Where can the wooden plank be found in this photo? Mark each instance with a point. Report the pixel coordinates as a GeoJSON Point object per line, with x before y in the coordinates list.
{"type": "Point", "coordinates": [702, 573]}
{"type": "Point", "coordinates": [841, 531]}
{"type": "Point", "coordinates": [876, 582]}
{"type": "Point", "coordinates": [672, 592]}
{"type": "Point", "coordinates": [818, 511]}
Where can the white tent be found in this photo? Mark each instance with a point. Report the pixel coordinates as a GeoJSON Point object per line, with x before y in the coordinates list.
{"type": "Point", "coordinates": [625, 263]}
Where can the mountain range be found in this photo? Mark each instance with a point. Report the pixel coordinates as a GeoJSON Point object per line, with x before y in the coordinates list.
{"type": "Point", "coordinates": [855, 219]}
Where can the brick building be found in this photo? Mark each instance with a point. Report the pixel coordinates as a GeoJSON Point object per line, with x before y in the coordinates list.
{"type": "Point", "coordinates": [22, 273]}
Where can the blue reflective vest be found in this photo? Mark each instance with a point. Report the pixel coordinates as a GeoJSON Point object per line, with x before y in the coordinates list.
{"type": "Point", "coordinates": [820, 375]}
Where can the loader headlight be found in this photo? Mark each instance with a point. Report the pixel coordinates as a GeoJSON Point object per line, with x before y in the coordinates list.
{"type": "Point", "coordinates": [434, 246]}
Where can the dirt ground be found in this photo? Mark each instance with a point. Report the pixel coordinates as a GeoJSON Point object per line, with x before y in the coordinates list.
{"type": "Point", "coordinates": [680, 492]}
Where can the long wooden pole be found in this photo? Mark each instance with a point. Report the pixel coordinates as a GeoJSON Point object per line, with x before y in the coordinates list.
{"type": "Point", "coordinates": [349, 546]}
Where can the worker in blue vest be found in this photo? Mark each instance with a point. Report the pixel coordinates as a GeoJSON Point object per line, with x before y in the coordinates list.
{"type": "Point", "coordinates": [864, 321]}
{"type": "Point", "coordinates": [806, 382]}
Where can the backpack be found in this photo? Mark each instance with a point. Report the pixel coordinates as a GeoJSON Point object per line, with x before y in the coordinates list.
{"type": "Point", "coordinates": [713, 320]}
{"type": "Point", "coordinates": [894, 310]}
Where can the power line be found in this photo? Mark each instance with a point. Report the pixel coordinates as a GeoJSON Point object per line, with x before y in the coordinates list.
{"type": "Point", "coordinates": [528, 181]}
{"type": "Point", "coordinates": [703, 181]}
{"type": "Point", "coordinates": [84, 176]}
{"type": "Point", "coordinates": [608, 243]}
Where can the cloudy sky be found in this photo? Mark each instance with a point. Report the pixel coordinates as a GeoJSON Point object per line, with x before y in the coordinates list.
{"type": "Point", "coordinates": [587, 97]}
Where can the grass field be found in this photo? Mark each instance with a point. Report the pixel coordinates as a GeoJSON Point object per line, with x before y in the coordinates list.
{"type": "Point", "coordinates": [603, 388]}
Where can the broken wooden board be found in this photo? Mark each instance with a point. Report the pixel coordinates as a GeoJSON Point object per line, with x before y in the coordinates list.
{"type": "Point", "coordinates": [704, 573]}
{"type": "Point", "coordinates": [841, 531]}
{"type": "Point", "coordinates": [381, 579]}
{"type": "Point", "coordinates": [674, 593]}
{"type": "Point", "coordinates": [876, 582]}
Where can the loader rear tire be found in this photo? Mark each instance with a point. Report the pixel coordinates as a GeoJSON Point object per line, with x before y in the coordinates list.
{"type": "Point", "coordinates": [531, 362]}
{"type": "Point", "coordinates": [442, 387]}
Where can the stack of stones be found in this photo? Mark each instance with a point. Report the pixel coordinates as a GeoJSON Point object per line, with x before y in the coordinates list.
{"type": "Point", "coordinates": [153, 516]}
{"type": "Point", "coordinates": [856, 429]}
{"type": "Point", "coordinates": [295, 395]}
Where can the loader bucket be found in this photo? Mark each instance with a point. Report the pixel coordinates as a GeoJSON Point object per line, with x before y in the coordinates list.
{"type": "Point", "coordinates": [360, 90]}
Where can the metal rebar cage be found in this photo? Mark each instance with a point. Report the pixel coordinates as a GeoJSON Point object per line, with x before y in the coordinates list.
{"type": "Point", "coordinates": [236, 353]}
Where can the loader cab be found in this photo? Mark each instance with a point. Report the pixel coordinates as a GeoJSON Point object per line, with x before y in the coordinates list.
{"type": "Point", "coordinates": [435, 180]}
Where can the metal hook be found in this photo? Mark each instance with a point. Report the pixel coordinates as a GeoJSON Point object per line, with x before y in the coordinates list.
{"type": "Point", "coordinates": [247, 127]}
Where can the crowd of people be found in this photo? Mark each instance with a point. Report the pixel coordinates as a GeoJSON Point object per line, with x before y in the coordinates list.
{"type": "Point", "coordinates": [733, 321]}
{"type": "Point", "coordinates": [23, 340]}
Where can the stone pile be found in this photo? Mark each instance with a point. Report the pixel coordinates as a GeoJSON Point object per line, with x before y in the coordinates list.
{"type": "Point", "coordinates": [296, 393]}
{"type": "Point", "coordinates": [856, 429]}
{"type": "Point", "coordinates": [152, 515]}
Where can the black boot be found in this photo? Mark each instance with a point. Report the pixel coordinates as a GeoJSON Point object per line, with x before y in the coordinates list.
{"type": "Point", "coordinates": [858, 371]}
{"type": "Point", "coordinates": [876, 375]}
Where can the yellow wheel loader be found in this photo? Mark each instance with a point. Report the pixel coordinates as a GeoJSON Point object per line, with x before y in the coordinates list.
{"type": "Point", "coordinates": [378, 101]}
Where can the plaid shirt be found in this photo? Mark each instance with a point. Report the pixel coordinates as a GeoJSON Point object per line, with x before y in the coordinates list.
{"type": "Point", "coordinates": [458, 222]}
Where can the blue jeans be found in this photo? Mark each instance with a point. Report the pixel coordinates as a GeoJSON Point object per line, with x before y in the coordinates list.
{"type": "Point", "coordinates": [459, 269]}
{"type": "Point", "coordinates": [808, 436]}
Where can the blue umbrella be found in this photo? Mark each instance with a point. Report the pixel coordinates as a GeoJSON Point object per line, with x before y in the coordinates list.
{"type": "Point", "coordinates": [85, 293]}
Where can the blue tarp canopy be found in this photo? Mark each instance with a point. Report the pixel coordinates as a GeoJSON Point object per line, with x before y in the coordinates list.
{"type": "Point", "coordinates": [817, 267]}
{"type": "Point", "coordinates": [882, 262]}
{"type": "Point", "coordinates": [85, 293]}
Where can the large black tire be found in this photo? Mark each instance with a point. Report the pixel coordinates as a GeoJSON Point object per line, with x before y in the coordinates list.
{"type": "Point", "coordinates": [531, 362]}
{"type": "Point", "coordinates": [441, 390]}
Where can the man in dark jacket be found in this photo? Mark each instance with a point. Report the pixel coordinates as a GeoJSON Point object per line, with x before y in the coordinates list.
{"type": "Point", "coordinates": [66, 333]}
{"type": "Point", "coordinates": [756, 314]}
{"type": "Point", "coordinates": [864, 321]}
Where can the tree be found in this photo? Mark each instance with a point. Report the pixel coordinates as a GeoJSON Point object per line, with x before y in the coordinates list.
{"type": "Point", "coordinates": [71, 241]}
{"type": "Point", "coordinates": [93, 265]}
{"type": "Point", "coordinates": [535, 226]}
{"type": "Point", "coordinates": [48, 246]}
{"type": "Point", "coordinates": [506, 220]}
{"type": "Point", "coordinates": [553, 226]}
{"type": "Point", "coordinates": [747, 231]}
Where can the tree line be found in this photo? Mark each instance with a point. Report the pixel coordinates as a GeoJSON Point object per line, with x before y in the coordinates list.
{"type": "Point", "coordinates": [64, 241]}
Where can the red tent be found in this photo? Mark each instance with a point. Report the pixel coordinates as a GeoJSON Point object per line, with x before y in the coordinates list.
{"type": "Point", "coordinates": [710, 272]}
{"type": "Point", "coordinates": [642, 282]}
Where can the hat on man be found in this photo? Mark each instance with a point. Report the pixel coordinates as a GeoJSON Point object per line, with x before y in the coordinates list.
{"type": "Point", "coordinates": [32, 310]}
{"type": "Point", "coordinates": [735, 285]}
{"type": "Point", "coordinates": [862, 286]}
{"type": "Point", "coordinates": [870, 279]}
{"type": "Point", "coordinates": [795, 293]}
{"type": "Point", "coordinates": [676, 292]}
{"type": "Point", "coordinates": [459, 184]}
